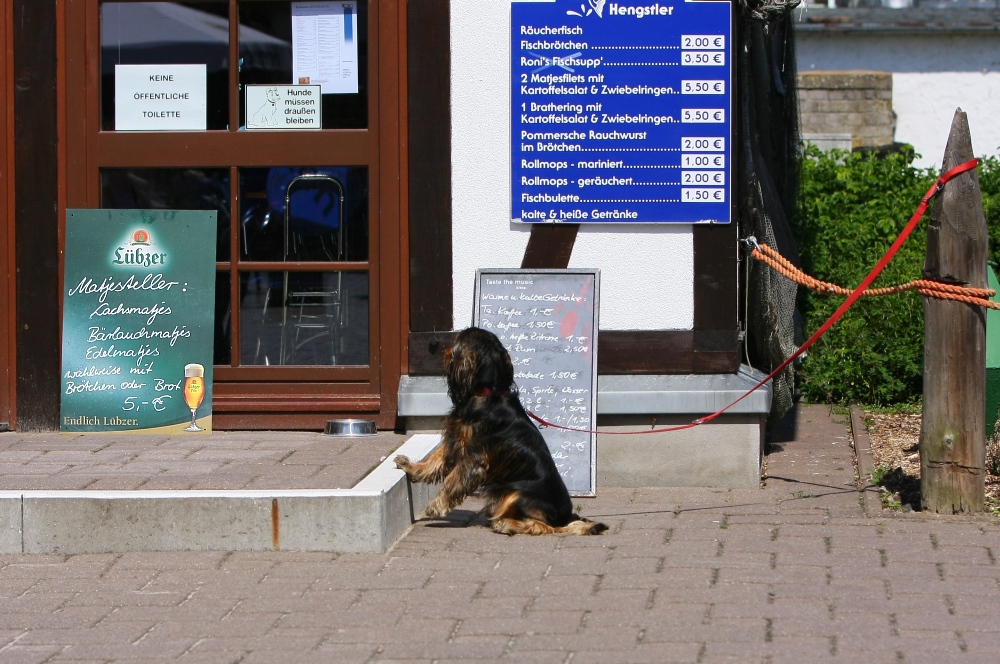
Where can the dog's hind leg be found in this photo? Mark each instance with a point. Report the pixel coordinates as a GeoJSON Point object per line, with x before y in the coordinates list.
{"type": "Point", "coordinates": [582, 527]}
{"type": "Point", "coordinates": [536, 527]}
{"type": "Point", "coordinates": [522, 527]}
{"type": "Point", "coordinates": [509, 516]}
{"type": "Point", "coordinates": [506, 518]}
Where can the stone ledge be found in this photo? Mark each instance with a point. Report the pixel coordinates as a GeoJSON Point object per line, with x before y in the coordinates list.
{"type": "Point", "coordinates": [725, 452]}
{"type": "Point", "coordinates": [689, 394]}
{"type": "Point", "coordinates": [367, 518]}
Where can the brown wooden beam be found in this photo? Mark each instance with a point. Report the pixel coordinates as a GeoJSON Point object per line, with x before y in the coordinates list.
{"type": "Point", "coordinates": [666, 352]}
{"type": "Point", "coordinates": [35, 215]}
{"type": "Point", "coordinates": [427, 352]}
{"type": "Point", "coordinates": [715, 277]}
{"type": "Point", "coordinates": [429, 136]}
{"type": "Point", "coordinates": [618, 352]}
{"type": "Point", "coordinates": [549, 246]}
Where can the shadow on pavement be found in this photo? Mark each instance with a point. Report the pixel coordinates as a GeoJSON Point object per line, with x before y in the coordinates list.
{"type": "Point", "coordinates": [782, 430]}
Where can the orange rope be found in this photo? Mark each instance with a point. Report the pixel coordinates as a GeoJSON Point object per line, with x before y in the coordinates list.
{"type": "Point", "coordinates": [969, 295]}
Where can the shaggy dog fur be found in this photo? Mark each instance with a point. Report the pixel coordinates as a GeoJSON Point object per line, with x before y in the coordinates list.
{"type": "Point", "coordinates": [490, 447]}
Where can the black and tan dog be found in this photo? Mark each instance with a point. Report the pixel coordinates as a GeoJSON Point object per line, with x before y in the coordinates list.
{"type": "Point", "coordinates": [490, 447]}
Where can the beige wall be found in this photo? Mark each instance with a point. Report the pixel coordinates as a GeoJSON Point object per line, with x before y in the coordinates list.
{"type": "Point", "coordinates": [858, 103]}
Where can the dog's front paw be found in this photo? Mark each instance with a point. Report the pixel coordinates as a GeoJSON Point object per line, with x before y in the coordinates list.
{"type": "Point", "coordinates": [403, 463]}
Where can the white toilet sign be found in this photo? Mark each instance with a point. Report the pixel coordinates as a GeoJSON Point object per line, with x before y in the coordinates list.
{"type": "Point", "coordinates": [284, 107]}
{"type": "Point", "coordinates": [160, 98]}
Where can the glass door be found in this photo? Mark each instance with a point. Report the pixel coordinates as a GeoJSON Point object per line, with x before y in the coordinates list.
{"type": "Point", "coordinates": [268, 112]}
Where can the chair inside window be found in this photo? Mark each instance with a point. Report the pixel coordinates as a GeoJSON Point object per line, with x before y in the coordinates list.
{"type": "Point", "coordinates": [315, 313]}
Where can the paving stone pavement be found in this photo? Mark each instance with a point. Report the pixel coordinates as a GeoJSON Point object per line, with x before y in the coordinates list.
{"type": "Point", "coordinates": [220, 460]}
{"type": "Point", "coordinates": [801, 570]}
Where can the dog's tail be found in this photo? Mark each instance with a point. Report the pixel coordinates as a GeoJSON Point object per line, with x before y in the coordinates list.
{"type": "Point", "coordinates": [582, 527]}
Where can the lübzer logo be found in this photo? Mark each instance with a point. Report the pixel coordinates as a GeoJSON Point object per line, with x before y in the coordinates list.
{"type": "Point", "coordinates": [134, 254]}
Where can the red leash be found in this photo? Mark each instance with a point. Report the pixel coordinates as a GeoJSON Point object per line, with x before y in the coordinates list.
{"type": "Point", "coordinates": [851, 299]}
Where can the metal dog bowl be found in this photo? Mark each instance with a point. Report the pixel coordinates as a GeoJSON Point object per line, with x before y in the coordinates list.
{"type": "Point", "coordinates": [350, 427]}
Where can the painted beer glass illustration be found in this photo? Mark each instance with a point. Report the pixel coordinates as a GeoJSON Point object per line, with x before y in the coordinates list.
{"type": "Point", "coordinates": [194, 392]}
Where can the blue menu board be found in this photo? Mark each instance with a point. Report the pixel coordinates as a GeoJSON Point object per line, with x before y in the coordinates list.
{"type": "Point", "coordinates": [621, 112]}
{"type": "Point", "coordinates": [138, 321]}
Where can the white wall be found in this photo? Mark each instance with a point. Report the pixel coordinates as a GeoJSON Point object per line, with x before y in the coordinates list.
{"type": "Point", "coordinates": [933, 73]}
{"type": "Point", "coordinates": [647, 272]}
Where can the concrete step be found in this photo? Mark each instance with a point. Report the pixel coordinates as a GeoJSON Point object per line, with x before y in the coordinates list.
{"type": "Point", "coordinates": [368, 517]}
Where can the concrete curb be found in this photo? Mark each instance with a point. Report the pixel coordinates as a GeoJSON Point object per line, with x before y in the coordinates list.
{"type": "Point", "coordinates": [863, 453]}
{"type": "Point", "coordinates": [368, 518]}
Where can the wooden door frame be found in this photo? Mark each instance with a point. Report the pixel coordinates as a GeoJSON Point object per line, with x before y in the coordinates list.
{"type": "Point", "coordinates": [239, 404]}
{"type": "Point", "coordinates": [8, 411]}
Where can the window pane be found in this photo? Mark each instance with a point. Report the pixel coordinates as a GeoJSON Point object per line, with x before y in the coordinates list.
{"type": "Point", "coordinates": [170, 189]}
{"type": "Point", "coordinates": [319, 197]}
{"type": "Point", "coordinates": [266, 57]}
{"type": "Point", "coordinates": [167, 33]}
{"type": "Point", "coordinates": [304, 318]}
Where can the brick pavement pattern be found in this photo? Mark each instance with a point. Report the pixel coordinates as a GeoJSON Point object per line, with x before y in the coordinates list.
{"type": "Point", "coordinates": [220, 460]}
{"type": "Point", "coordinates": [802, 570]}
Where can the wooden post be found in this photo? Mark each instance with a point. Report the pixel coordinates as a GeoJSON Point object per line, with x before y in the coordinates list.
{"type": "Point", "coordinates": [953, 429]}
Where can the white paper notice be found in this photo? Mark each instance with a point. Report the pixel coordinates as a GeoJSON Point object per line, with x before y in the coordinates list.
{"type": "Point", "coordinates": [325, 45]}
{"type": "Point", "coordinates": [284, 107]}
{"type": "Point", "coordinates": [160, 97]}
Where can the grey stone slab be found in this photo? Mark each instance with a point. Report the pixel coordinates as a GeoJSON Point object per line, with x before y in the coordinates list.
{"type": "Point", "coordinates": [698, 394]}
{"type": "Point", "coordinates": [91, 522]}
{"type": "Point", "coordinates": [10, 522]}
{"type": "Point", "coordinates": [723, 453]}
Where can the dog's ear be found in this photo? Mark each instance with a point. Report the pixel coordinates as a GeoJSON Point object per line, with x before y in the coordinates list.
{"type": "Point", "coordinates": [509, 376]}
{"type": "Point", "coordinates": [501, 369]}
{"type": "Point", "coordinates": [462, 368]}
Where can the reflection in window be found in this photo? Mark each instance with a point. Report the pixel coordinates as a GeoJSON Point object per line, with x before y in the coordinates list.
{"type": "Point", "coordinates": [304, 318]}
{"type": "Point", "coordinates": [170, 189]}
{"type": "Point", "coordinates": [274, 21]}
{"type": "Point", "coordinates": [327, 213]}
{"type": "Point", "coordinates": [168, 33]}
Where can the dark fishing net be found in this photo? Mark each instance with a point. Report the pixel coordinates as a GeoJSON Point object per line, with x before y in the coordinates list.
{"type": "Point", "coordinates": [767, 182]}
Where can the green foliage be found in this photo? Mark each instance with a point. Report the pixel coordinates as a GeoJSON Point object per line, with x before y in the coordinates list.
{"type": "Point", "coordinates": [878, 474]}
{"type": "Point", "coordinates": [851, 208]}
{"type": "Point", "coordinates": [989, 183]}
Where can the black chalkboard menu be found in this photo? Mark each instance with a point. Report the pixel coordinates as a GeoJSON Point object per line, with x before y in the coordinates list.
{"type": "Point", "coordinates": [138, 321]}
{"type": "Point", "coordinates": [548, 321]}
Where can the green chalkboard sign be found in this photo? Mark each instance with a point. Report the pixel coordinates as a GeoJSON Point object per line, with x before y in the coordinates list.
{"type": "Point", "coordinates": [138, 321]}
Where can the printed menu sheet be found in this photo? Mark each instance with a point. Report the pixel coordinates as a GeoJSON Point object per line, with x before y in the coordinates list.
{"type": "Point", "coordinates": [325, 45]}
